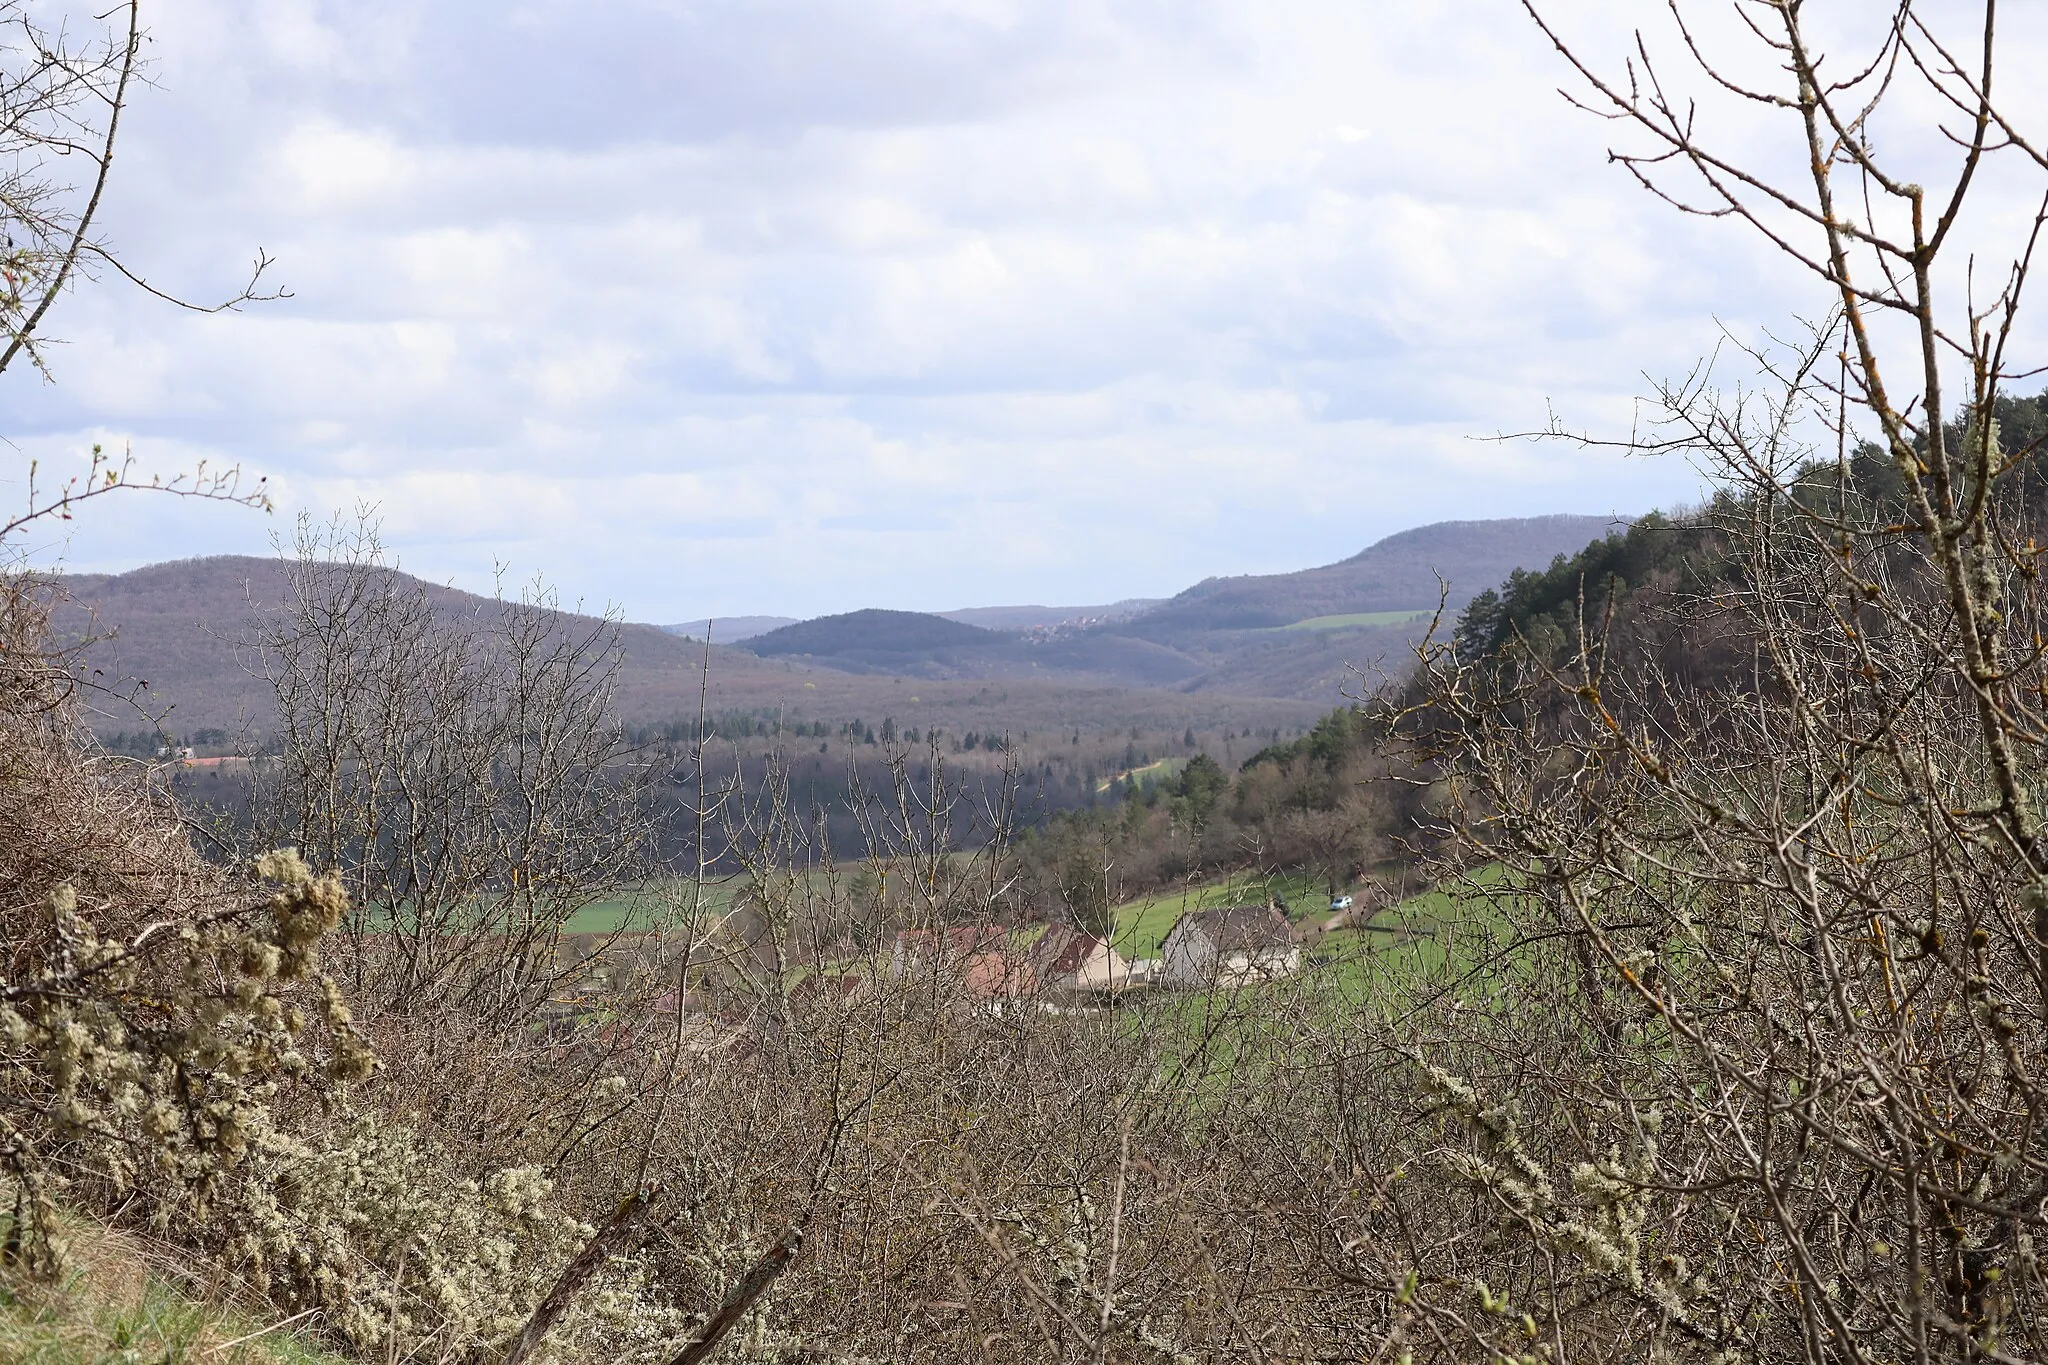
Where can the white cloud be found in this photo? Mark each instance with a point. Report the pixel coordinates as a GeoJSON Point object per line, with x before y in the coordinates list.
{"type": "Point", "coordinates": [804, 305]}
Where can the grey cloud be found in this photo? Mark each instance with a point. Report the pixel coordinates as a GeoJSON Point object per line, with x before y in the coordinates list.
{"type": "Point", "coordinates": [764, 293]}
{"type": "Point", "coordinates": [593, 73]}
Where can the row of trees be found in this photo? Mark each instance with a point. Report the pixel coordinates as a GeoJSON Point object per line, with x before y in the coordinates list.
{"type": "Point", "coordinates": [1294, 807]}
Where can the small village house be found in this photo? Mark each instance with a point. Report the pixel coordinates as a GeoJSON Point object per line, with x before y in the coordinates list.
{"type": "Point", "coordinates": [1229, 947]}
{"type": "Point", "coordinates": [1065, 959]}
{"type": "Point", "coordinates": [978, 954]}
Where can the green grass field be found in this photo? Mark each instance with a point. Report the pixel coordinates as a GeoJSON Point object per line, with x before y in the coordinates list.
{"type": "Point", "coordinates": [1427, 938]}
{"type": "Point", "coordinates": [1356, 619]}
{"type": "Point", "coordinates": [1447, 901]}
{"type": "Point", "coordinates": [1142, 924]}
{"type": "Point", "coordinates": [645, 908]}
{"type": "Point", "coordinates": [1408, 944]}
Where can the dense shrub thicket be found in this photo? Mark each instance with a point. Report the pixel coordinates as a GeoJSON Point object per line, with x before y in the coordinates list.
{"type": "Point", "coordinates": [1614, 1109]}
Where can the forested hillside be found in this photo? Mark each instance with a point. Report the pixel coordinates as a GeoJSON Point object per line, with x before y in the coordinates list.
{"type": "Point", "coordinates": [1404, 573]}
{"type": "Point", "coordinates": [170, 641]}
{"type": "Point", "coordinates": [901, 634]}
{"type": "Point", "coordinates": [180, 629]}
{"type": "Point", "coordinates": [1313, 635]}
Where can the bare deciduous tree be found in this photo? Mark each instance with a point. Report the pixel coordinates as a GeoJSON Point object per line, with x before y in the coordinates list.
{"type": "Point", "coordinates": [1797, 921]}
{"type": "Point", "coordinates": [463, 771]}
{"type": "Point", "coordinates": [65, 82]}
{"type": "Point", "coordinates": [63, 96]}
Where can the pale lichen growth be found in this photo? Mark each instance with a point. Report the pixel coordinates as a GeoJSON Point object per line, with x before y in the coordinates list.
{"type": "Point", "coordinates": [1601, 1227]}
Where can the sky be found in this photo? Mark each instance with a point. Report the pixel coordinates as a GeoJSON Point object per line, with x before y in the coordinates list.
{"type": "Point", "coordinates": [798, 306]}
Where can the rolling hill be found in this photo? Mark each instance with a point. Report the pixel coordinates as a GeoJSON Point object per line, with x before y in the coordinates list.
{"type": "Point", "coordinates": [1229, 652]}
{"type": "Point", "coordinates": [884, 634]}
{"type": "Point", "coordinates": [177, 635]}
{"type": "Point", "coordinates": [167, 645]}
{"type": "Point", "coordinates": [918, 645]}
{"type": "Point", "coordinates": [1308, 635]}
{"type": "Point", "coordinates": [1397, 575]}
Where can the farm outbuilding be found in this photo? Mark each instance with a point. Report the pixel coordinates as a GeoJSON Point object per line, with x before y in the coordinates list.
{"type": "Point", "coordinates": [977, 955]}
{"type": "Point", "coordinates": [1229, 947]}
{"type": "Point", "coordinates": [1065, 959]}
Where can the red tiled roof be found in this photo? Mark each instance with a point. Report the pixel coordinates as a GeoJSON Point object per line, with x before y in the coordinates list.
{"type": "Point", "coordinates": [995, 976]}
{"type": "Point", "coordinates": [1062, 951]}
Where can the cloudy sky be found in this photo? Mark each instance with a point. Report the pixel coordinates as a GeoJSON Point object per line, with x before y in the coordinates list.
{"type": "Point", "coordinates": [796, 306]}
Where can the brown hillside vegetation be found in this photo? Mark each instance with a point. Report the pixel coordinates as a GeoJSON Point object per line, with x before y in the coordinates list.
{"type": "Point", "coordinates": [1402, 572]}
{"type": "Point", "coordinates": [176, 626]}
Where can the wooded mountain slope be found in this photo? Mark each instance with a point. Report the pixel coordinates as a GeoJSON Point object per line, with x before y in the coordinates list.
{"type": "Point", "coordinates": [172, 636]}
{"type": "Point", "coordinates": [168, 637]}
{"type": "Point", "coordinates": [885, 633]}
{"type": "Point", "coordinates": [1399, 573]}
{"type": "Point", "coordinates": [1308, 635]}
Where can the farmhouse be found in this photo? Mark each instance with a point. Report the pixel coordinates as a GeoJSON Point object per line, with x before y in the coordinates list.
{"type": "Point", "coordinates": [977, 954]}
{"type": "Point", "coordinates": [1229, 947]}
{"type": "Point", "coordinates": [1065, 959]}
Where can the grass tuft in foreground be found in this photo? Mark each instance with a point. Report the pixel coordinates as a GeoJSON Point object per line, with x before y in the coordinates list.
{"type": "Point", "coordinates": [122, 1303]}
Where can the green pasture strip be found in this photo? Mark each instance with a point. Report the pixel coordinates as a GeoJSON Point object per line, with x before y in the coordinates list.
{"type": "Point", "coordinates": [1159, 771]}
{"type": "Point", "coordinates": [1356, 619]}
{"type": "Point", "coordinates": [1213, 1038]}
{"type": "Point", "coordinates": [1456, 896]}
{"type": "Point", "coordinates": [1210, 1042]}
{"type": "Point", "coordinates": [1467, 929]}
{"type": "Point", "coordinates": [1390, 962]}
{"type": "Point", "coordinates": [1406, 947]}
{"type": "Point", "coordinates": [1476, 939]}
{"type": "Point", "coordinates": [644, 908]}
{"type": "Point", "coordinates": [1416, 943]}
{"type": "Point", "coordinates": [1466, 935]}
